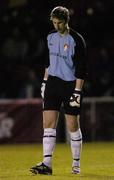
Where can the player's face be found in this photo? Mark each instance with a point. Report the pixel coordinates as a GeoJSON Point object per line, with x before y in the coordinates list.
{"type": "Point", "coordinates": [59, 25]}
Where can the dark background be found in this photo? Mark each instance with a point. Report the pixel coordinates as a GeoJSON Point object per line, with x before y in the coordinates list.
{"type": "Point", "coordinates": [23, 26]}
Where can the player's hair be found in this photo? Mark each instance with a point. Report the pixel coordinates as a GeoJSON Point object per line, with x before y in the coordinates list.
{"type": "Point", "coordinates": [61, 13]}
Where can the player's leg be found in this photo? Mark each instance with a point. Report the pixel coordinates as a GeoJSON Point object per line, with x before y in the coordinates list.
{"type": "Point", "coordinates": [49, 141]}
{"type": "Point", "coordinates": [73, 127]}
{"type": "Point", "coordinates": [52, 103]}
{"type": "Point", "coordinates": [49, 138]}
{"type": "Point", "coordinates": [51, 108]}
{"type": "Point", "coordinates": [72, 115]}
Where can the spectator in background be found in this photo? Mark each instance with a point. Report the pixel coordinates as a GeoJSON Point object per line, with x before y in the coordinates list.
{"type": "Point", "coordinates": [31, 86]}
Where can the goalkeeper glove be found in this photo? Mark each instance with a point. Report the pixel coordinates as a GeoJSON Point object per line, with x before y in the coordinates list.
{"type": "Point", "coordinates": [75, 98]}
{"type": "Point", "coordinates": [43, 88]}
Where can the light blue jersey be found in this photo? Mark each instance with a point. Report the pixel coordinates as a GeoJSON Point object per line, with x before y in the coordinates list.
{"type": "Point", "coordinates": [61, 51]}
{"type": "Point", "coordinates": [62, 55]}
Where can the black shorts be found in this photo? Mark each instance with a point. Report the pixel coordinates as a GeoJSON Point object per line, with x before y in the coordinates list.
{"type": "Point", "coordinates": [57, 93]}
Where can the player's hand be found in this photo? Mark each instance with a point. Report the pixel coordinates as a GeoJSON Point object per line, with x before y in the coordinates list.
{"type": "Point", "coordinates": [43, 88]}
{"type": "Point", "coordinates": [75, 98]}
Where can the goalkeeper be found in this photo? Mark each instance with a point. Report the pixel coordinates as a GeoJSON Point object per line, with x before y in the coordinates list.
{"type": "Point", "coordinates": [62, 84]}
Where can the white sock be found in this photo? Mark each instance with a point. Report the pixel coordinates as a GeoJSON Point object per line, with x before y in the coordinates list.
{"type": "Point", "coordinates": [76, 146]}
{"type": "Point", "coordinates": [49, 140]}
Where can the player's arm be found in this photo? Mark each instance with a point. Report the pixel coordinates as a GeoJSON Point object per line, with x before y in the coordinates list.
{"type": "Point", "coordinates": [76, 97]}
{"type": "Point", "coordinates": [45, 74]}
{"type": "Point", "coordinates": [79, 84]}
{"type": "Point", "coordinates": [80, 74]}
{"type": "Point", "coordinates": [46, 65]}
{"type": "Point", "coordinates": [44, 82]}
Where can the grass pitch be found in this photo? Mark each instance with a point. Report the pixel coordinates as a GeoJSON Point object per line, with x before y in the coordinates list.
{"type": "Point", "coordinates": [97, 162]}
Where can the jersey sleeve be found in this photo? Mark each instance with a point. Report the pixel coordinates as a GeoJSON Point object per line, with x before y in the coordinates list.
{"type": "Point", "coordinates": [46, 54]}
{"type": "Point", "coordinates": [80, 58]}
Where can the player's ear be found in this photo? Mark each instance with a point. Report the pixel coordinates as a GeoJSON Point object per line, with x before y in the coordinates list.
{"type": "Point", "coordinates": [50, 18]}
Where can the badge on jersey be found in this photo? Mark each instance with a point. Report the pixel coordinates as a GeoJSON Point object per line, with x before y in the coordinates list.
{"type": "Point", "coordinates": [66, 46]}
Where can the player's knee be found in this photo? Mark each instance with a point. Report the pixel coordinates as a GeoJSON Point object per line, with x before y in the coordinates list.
{"type": "Point", "coordinates": [48, 124]}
